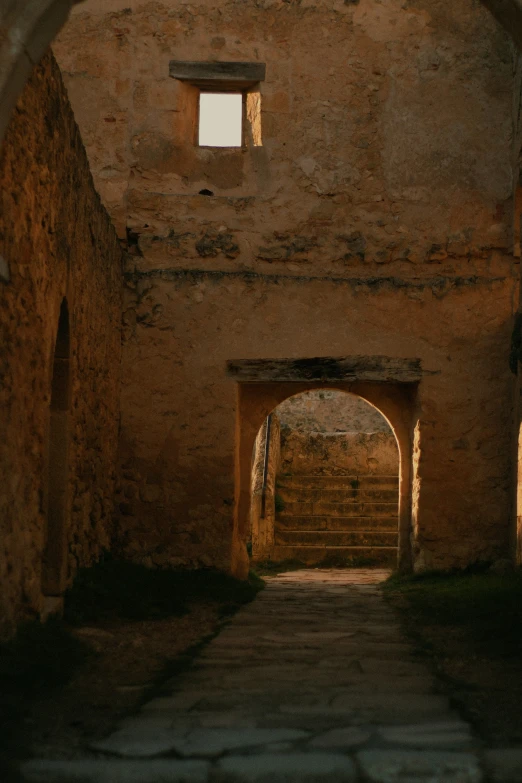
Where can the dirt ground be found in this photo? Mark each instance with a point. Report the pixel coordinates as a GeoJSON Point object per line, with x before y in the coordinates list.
{"type": "Point", "coordinates": [130, 659]}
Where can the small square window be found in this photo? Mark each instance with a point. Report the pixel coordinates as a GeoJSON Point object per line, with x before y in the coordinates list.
{"type": "Point", "coordinates": [220, 119]}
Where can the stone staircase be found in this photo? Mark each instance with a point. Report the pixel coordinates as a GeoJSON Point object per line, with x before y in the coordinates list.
{"type": "Point", "coordinates": [345, 519]}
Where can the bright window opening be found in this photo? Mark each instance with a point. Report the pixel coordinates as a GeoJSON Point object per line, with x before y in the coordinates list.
{"type": "Point", "coordinates": [220, 119]}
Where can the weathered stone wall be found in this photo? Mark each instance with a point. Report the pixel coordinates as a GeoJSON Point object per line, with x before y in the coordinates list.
{"type": "Point", "coordinates": [374, 219]}
{"type": "Point", "coordinates": [57, 241]}
{"type": "Point", "coordinates": [330, 411]}
{"type": "Point", "coordinates": [331, 433]}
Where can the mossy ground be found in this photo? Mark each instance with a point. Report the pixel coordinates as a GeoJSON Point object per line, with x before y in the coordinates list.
{"type": "Point", "coordinates": [487, 607]}
{"type": "Point", "coordinates": [66, 680]}
{"type": "Point", "coordinates": [469, 626]}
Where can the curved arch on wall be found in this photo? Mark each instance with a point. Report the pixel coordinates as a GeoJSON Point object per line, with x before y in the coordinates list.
{"type": "Point", "coordinates": [57, 474]}
{"type": "Point", "coordinates": [28, 27]}
{"type": "Point", "coordinates": [395, 401]}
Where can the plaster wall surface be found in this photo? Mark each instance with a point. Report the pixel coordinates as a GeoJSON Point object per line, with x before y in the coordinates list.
{"type": "Point", "coordinates": [57, 241]}
{"type": "Point", "coordinates": [374, 219]}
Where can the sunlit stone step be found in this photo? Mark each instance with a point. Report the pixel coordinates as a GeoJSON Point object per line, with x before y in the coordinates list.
{"type": "Point", "coordinates": [388, 523]}
{"type": "Point", "coordinates": [340, 555]}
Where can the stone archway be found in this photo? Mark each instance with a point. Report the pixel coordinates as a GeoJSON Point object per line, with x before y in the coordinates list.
{"type": "Point", "coordinates": [394, 400]}
{"type": "Point", "coordinates": [57, 500]}
{"type": "Point", "coordinates": [325, 482]}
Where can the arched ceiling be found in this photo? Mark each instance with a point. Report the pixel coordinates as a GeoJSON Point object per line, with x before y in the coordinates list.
{"type": "Point", "coordinates": [27, 27]}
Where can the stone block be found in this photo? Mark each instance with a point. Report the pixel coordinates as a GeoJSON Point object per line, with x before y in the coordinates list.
{"type": "Point", "coordinates": [396, 766]}
{"type": "Point", "coordinates": [141, 740]}
{"type": "Point", "coordinates": [349, 737]}
{"type": "Point", "coordinates": [443, 734]}
{"type": "Point", "coordinates": [286, 768]}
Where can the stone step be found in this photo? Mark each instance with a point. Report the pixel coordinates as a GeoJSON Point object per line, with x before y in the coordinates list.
{"type": "Point", "coordinates": [344, 495]}
{"type": "Point", "coordinates": [354, 509]}
{"type": "Point", "coordinates": [335, 482]}
{"type": "Point", "coordinates": [337, 538]}
{"type": "Point", "coordinates": [387, 523]}
{"type": "Point", "coordinates": [311, 555]}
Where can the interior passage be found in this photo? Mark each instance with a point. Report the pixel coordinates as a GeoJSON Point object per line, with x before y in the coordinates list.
{"type": "Point", "coordinates": [325, 483]}
{"type": "Point", "coordinates": [313, 681]}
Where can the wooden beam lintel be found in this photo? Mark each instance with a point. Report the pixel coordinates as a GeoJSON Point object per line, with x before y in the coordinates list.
{"type": "Point", "coordinates": [327, 369]}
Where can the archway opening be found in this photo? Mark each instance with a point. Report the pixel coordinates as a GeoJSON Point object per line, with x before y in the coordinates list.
{"type": "Point", "coordinates": [325, 483]}
{"type": "Point", "coordinates": [54, 556]}
{"type": "Point", "coordinates": [519, 499]}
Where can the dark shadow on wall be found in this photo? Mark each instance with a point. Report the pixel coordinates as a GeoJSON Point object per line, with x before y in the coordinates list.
{"type": "Point", "coordinates": [54, 558]}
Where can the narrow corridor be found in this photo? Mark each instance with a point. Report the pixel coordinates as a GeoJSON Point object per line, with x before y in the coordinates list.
{"type": "Point", "coordinates": [313, 681]}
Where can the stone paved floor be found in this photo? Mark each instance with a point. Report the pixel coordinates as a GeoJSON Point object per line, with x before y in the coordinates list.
{"type": "Point", "coordinates": [313, 681]}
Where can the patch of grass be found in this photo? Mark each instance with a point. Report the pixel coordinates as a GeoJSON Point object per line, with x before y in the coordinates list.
{"type": "Point", "coordinates": [38, 660]}
{"type": "Point", "coordinates": [487, 607]}
{"type": "Point", "coordinates": [119, 589]}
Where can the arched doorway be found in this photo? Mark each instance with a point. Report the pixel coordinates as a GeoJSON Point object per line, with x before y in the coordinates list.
{"type": "Point", "coordinates": [396, 401]}
{"type": "Point", "coordinates": [57, 505]}
{"type": "Point", "coordinates": [325, 483]}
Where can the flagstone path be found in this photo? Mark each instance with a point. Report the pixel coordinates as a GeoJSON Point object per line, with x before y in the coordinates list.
{"type": "Point", "coordinates": [313, 681]}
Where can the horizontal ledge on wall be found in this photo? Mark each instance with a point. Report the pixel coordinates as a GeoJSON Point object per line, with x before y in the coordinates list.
{"type": "Point", "coordinates": [379, 369]}
{"type": "Point", "coordinates": [232, 75]}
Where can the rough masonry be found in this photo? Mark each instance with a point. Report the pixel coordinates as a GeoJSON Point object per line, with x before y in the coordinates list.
{"type": "Point", "coordinates": [57, 243]}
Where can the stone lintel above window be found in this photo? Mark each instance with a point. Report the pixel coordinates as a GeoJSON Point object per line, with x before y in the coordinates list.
{"type": "Point", "coordinates": [378, 369]}
{"type": "Point", "coordinates": [218, 75]}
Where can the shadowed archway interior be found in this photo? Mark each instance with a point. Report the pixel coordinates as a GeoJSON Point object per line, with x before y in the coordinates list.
{"type": "Point", "coordinates": [54, 559]}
